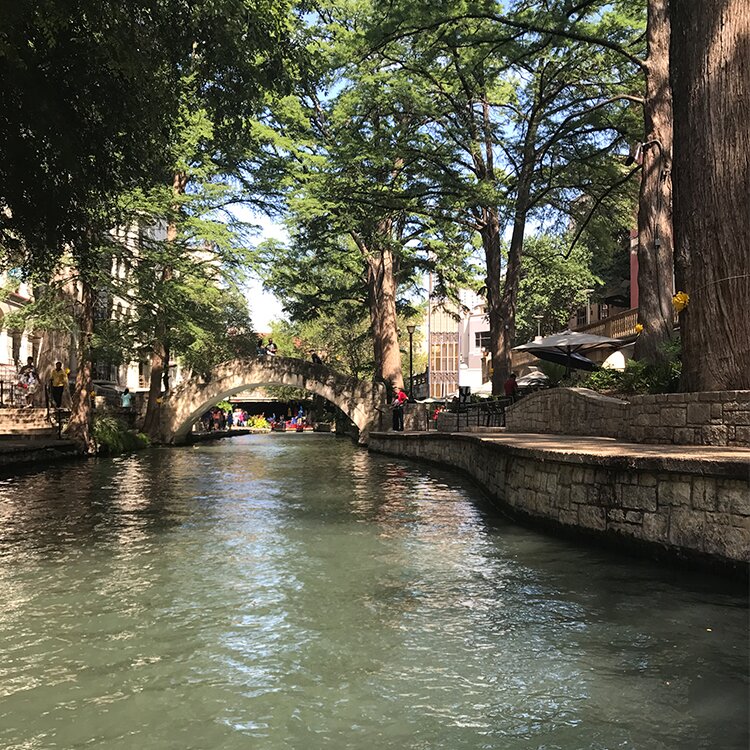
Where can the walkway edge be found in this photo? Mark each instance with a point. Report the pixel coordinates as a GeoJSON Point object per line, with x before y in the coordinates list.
{"type": "Point", "coordinates": [686, 509]}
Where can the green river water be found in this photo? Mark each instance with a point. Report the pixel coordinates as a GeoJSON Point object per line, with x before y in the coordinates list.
{"type": "Point", "coordinates": [293, 591]}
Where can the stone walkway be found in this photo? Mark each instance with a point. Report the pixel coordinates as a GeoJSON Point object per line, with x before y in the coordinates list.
{"type": "Point", "coordinates": [611, 446]}
{"type": "Point", "coordinates": [691, 459]}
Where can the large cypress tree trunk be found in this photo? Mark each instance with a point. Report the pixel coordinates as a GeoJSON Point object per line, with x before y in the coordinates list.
{"type": "Point", "coordinates": [711, 87]}
{"type": "Point", "coordinates": [81, 415]}
{"type": "Point", "coordinates": [655, 243]}
{"type": "Point", "coordinates": [159, 347]}
{"type": "Point", "coordinates": [381, 284]}
{"type": "Point", "coordinates": [491, 242]}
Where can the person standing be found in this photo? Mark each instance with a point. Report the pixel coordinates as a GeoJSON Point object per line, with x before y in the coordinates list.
{"type": "Point", "coordinates": [126, 399]}
{"type": "Point", "coordinates": [399, 399]}
{"type": "Point", "coordinates": [511, 386]}
{"type": "Point", "coordinates": [28, 379]}
{"type": "Point", "coordinates": [316, 360]}
{"type": "Point", "coordinates": [58, 381]}
{"type": "Point", "coordinates": [271, 348]}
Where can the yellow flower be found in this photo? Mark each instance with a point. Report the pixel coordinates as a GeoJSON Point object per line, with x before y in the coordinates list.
{"type": "Point", "coordinates": [680, 301]}
{"type": "Point", "coordinates": [638, 327]}
{"type": "Point", "coordinates": [159, 400]}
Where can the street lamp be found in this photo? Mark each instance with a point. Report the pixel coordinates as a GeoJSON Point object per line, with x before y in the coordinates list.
{"type": "Point", "coordinates": [411, 330]}
{"type": "Point", "coordinates": [539, 319]}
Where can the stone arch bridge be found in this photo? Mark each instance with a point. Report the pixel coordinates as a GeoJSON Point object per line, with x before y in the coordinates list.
{"type": "Point", "coordinates": [363, 402]}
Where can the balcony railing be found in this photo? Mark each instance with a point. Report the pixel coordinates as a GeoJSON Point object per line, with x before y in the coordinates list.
{"type": "Point", "coordinates": [620, 326]}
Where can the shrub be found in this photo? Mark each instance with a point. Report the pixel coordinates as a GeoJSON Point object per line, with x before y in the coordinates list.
{"type": "Point", "coordinates": [640, 376]}
{"type": "Point", "coordinates": [112, 437]}
{"type": "Point", "coordinates": [257, 422]}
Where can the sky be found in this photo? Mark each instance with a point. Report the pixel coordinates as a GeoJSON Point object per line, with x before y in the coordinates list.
{"type": "Point", "coordinates": [264, 307]}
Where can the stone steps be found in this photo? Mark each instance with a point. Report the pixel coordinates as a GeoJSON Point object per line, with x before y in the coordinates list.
{"type": "Point", "coordinates": [15, 419]}
{"type": "Point", "coordinates": [29, 433]}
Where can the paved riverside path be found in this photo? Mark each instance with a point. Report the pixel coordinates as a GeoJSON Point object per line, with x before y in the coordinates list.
{"type": "Point", "coordinates": [575, 448]}
{"type": "Point", "coordinates": [605, 446]}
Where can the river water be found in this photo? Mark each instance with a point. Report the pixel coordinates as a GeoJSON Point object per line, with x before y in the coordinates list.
{"type": "Point", "coordinates": [292, 591]}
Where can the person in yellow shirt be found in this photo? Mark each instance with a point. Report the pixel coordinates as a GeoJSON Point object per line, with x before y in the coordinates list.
{"type": "Point", "coordinates": [59, 380]}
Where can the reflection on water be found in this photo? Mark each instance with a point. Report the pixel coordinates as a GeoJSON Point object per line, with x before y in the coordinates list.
{"type": "Point", "coordinates": [291, 591]}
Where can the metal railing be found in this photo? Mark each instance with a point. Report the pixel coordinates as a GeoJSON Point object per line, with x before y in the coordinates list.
{"type": "Point", "coordinates": [12, 394]}
{"type": "Point", "coordinates": [489, 413]}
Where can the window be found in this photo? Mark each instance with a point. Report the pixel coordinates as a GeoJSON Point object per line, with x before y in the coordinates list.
{"type": "Point", "coordinates": [482, 340]}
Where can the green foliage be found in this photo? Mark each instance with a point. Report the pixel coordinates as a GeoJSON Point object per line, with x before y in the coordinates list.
{"type": "Point", "coordinates": [640, 376]}
{"type": "Point", "coordinates": [224, 406]}
{"type": "Point", "coordinates": [113, 437]}
{"type": "Point", "coordinates": [257, 422]}
{"type": "Point", "coordinates": [340, 336]}
{"type": "Point", "coordinates": [551, 285]}
{"type": "Point", "coordinates": [92, 93]}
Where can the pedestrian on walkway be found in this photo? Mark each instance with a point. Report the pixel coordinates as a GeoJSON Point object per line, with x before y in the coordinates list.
{"type": "Point", "coordinates": [316, 360]}
{"type": "Point", "coordinates": [126, 399]}
{"type": "Point", "coordinates": [58, 382]}
{"type": "Point", "coordinates": [397, 405]}
{"type": "Point", "coordinates": [28, 379]}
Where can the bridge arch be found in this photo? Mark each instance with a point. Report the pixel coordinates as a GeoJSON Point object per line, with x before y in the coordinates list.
{"type": "Point", "coordinates": [361, 401]}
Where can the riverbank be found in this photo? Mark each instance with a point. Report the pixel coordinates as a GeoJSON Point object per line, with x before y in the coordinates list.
{"type": "Point", "coordinates": [202, 437]}
{"type": "Point", "coordinates": [29, 452]}
{"type": "Point", "coordinates": [689, 504]}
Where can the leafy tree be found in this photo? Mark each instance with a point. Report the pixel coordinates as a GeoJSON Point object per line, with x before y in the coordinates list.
{"type": "Point", "coordinates": [520, 127]}
{"type": "Point", "coordinates": [97, 105]}
{"type": "Point", "coordinates": [342, 148]}
{"type": "Point", "coordinates": [551, 284]}
{"type": "Point", "coordinates": [600, 25]}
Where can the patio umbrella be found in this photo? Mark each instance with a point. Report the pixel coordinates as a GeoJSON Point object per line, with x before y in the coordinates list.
{"type": "Point", "coordinates": [568, 347]}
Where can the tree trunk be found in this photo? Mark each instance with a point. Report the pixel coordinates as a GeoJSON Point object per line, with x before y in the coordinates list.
{"type": "Point", "coordinates": [381, 283]}
{"type": "Point", "coordinates": [655, 243]}
{"type": "Point", "coordinates": [159, 347]}
{"type": "Point", "coordinates": [81, 415]}
{"type": "Point", "coordinates": [710, 74]}
{"type": "Point", "coordinates": [159, 362]}
{"type": "Point", "coordinates": [492, 244]}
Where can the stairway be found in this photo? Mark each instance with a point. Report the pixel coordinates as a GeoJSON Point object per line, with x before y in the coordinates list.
{"type": "Point", "coordinates": [27, 424]}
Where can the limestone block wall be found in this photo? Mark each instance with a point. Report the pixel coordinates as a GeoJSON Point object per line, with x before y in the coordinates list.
{"type": "Point", "coordinates": [691, 510]}
{"type": "Point", "coordinates": [710, 418]}
{"type": "Point", "coordinates": [568, 411]}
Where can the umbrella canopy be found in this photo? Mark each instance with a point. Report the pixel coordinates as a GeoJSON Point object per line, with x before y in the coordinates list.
{"type": "Point", "coordinates": [536, 377]}
{"type": "Point", "coordinates": [569, 341]}
{"type": "Point", "coordinates": [567, 348]}
{"type": "Point", "coordinates": [572, 360]}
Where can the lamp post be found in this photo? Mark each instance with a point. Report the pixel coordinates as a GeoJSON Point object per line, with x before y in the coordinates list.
{"type": "Point", "coordinates": [411, 330]}
{"type": "Point", "coordinates": [539, 319]}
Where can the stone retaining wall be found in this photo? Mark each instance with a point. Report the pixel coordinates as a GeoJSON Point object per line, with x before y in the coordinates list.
{"type": "Point", "coordinates": [698, 510]}
{"type": "Point", "coordinates": [710, 418]}
{"type": "Point", "coordinates": [568, 411]}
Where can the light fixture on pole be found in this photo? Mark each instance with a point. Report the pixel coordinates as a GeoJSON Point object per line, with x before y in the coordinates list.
{"type": "Point", "coordinates": [411, 329]}
{"type": "Point", "coordinates": [539, 319]}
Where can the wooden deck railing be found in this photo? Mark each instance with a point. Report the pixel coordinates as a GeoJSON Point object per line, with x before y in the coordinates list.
{"type": "Point", "coordinates": [620, 326]}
